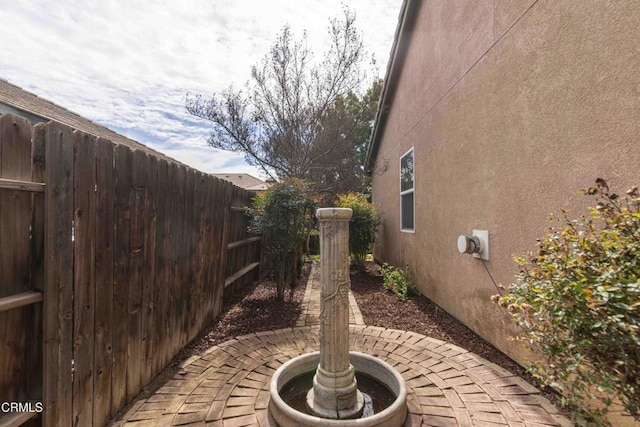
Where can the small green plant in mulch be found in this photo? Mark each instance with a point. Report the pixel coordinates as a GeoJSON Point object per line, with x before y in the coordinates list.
{"type": "Point", "coordinates": [398, 281]}
{"type": "Point", "coordinates": [577, 303]}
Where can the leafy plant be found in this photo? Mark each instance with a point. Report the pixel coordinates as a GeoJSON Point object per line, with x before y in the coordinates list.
{"type": "Point", "coordinates": [362, 225]}
{"type": "Point", "coordinates": [398, 281]}
{"type": "Point", "coordinates": [577, 302]}
{"type": "Point", "coordinates": [282, 215]}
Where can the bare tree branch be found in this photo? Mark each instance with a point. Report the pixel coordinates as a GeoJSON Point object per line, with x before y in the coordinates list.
{"type": "Point", "coordinates": [297, 118]}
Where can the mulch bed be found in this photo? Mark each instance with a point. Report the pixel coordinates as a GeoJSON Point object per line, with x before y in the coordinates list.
{"type": "Point", "coordinates": [255, 309]}
{"type": "Point", "coordinates": [380, 307]}
{"type": "Point", "coordinates": [249, 310]}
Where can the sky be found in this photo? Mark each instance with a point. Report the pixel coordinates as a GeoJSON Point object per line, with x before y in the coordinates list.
{"type": "Point", "coordinates": [128, 64]}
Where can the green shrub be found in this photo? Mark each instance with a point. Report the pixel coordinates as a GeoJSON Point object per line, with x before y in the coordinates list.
{"type": "Point", "coordinates": [397, 281]}
{"type": "Point", "coordinates": [577, 302]}
{"type": "Point", "coordinates": [362, 225]}
{"type": "Point", "coordinates": [282, 215]}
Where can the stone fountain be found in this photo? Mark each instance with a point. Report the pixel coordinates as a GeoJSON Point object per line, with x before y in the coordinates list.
{"type": "Point", "coordinates": [334, 397]}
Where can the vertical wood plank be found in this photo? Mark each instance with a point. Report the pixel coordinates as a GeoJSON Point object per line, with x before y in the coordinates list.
{"type": "Point", "coordinates": [175, 310]}
{"type": "Point", "coordinates": [58, 288]}
{"type": "Point", "coordinates": [226, 200]}
{"type": "Point", "coordinates": [198, 301]}
{"type": "Point", "coordinates": [122, 213]}
{"type": "Point", "coordinates": [187, 281]}
{"type": "Point", "coordinates": [149, 270]}
{"type": "Point", "coordinates": [136, 265]}
{"type": "Point", "coordinates": [209, 248]}
{"type": "Point", "coordinates": [219, 208]}
{"type": "Point", "coordinates": [163, 268]}
{"type": "Point", "coordinates": [104, 230]}
{"type": "Point", "coordinates": [84, 182]}
{"type": "Point", "coordinates": [36, 260]}
{"type": "Point", "coordinates": [37, 202]}
{"type": "Point", "coordinates": [171, 230]}
{"type": "Point", "coordinates": [180, 257]}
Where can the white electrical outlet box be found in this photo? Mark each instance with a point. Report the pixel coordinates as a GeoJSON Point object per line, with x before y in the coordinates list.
{"type": "Point", "coordinates": [483, 236]}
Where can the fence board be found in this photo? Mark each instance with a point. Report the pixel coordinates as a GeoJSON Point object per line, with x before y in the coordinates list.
{"type": "Point", "coordinates": [190, 260]}
{"type": "Point", "coordinates": [192, 222]}
{"type": "Point", "coordinates": [36, 260]}
{"type": "Point", "coordinates": [220, 201]}
{"type": "Point", "coordinates": [136, 264]}
{"type": "Point", "coordinates": [36, 255]}
{"type": "Point", "coordinates": [179, 285]}
{"type": "Point", "coordinates": [183, 258]}
{"type": "Point", "coordinates": [121, 273]}
{"type": "Point", "coordinates": [201, 236]}
{"type": "Point", "coordinates": [84, 183]}
{"type": "Point", "coordinates": [227, 195]}
{"type": "Point", "coordinates": [210, 247]}
{"type": "Point", "coordinates": [103, 281]}
{"type": "Point", "coordinates": [163, 268]}
{"type": "Point", "coordinates": [149, 270]}
{"type": "Point", "coordinates": [58, 288]}
{"type": "Point", "coordinates": [172, 228]}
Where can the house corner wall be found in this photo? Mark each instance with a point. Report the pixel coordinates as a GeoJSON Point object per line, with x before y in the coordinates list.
{"type": "Point", "coordinates": [511, 107]}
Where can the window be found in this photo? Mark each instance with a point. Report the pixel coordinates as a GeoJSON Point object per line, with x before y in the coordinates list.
{"type": "Point", "coordinates": [407, 212]}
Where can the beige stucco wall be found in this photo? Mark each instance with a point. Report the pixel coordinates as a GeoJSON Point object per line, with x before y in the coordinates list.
{"type": "Point", "coordinates": [511, 107]}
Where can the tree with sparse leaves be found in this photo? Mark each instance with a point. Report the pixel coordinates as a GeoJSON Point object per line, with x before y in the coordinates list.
{"type": "Point", "coordinates": [297, 118]}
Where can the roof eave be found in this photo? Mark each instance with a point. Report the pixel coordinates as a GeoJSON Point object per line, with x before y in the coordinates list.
{"type": "Point", "coordinates": [406, 19]}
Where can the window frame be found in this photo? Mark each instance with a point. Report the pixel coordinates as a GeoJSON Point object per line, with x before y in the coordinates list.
{"type": "Point", "coordinates": [411, 190]}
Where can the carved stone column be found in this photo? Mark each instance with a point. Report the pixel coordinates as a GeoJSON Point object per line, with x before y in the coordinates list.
{"type": "Point", "coordinates": [334, 393]}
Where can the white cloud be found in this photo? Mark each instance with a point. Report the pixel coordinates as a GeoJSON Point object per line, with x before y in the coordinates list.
{"type": "Point", "coordinates": [127, 64]}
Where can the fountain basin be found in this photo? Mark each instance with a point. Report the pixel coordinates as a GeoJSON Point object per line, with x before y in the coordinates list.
{"type": "Point", "coordinates": [283, 415]}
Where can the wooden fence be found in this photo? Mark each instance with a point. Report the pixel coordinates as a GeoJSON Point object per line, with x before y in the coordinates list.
{"type": "Point", "coordinates": [129, 253]}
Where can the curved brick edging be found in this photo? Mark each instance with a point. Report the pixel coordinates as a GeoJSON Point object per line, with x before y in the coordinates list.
{"type": "Point", "coordinates": [228, 384]}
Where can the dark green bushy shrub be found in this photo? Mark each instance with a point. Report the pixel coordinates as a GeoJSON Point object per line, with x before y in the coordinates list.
{"type": "Point", "coordinates": [577, 302]}
{"type": "Point", "coordinates": [398, 281]}
{"type": "Point", "coordinates": [282, 215]}
{"type": "Point", "coordinates": [362, 225]}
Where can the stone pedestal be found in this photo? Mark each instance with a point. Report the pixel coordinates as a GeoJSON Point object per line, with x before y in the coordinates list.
{"type": "Point", "coordinates": [334, 393]}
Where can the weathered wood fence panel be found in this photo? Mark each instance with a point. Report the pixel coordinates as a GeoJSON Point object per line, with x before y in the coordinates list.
{"type": "Point", "coordinates": [21, 269]}
{"type": "Point", "coordinates": [131, 253]}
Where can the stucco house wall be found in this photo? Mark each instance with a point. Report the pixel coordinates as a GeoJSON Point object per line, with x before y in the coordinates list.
{"type": "Point", "coordinates": [510, 107]}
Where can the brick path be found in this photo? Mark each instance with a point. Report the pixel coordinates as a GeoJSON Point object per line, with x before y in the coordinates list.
{"type": "Point", "coordinates": [228, 384]}
{"type": "Point", "coordinates": [311, 302]}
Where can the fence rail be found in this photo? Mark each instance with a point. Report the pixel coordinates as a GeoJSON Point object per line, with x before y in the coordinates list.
{"type": "Point", "coordinates": [130, 257]}
{"type": "Point", "coordinates": [10, 184]}
{"type": "Point", "coordinates": [19, 300]}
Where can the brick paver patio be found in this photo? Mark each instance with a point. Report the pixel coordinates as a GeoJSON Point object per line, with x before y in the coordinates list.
{"type": "Point", "coordinates": [228, 384]}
